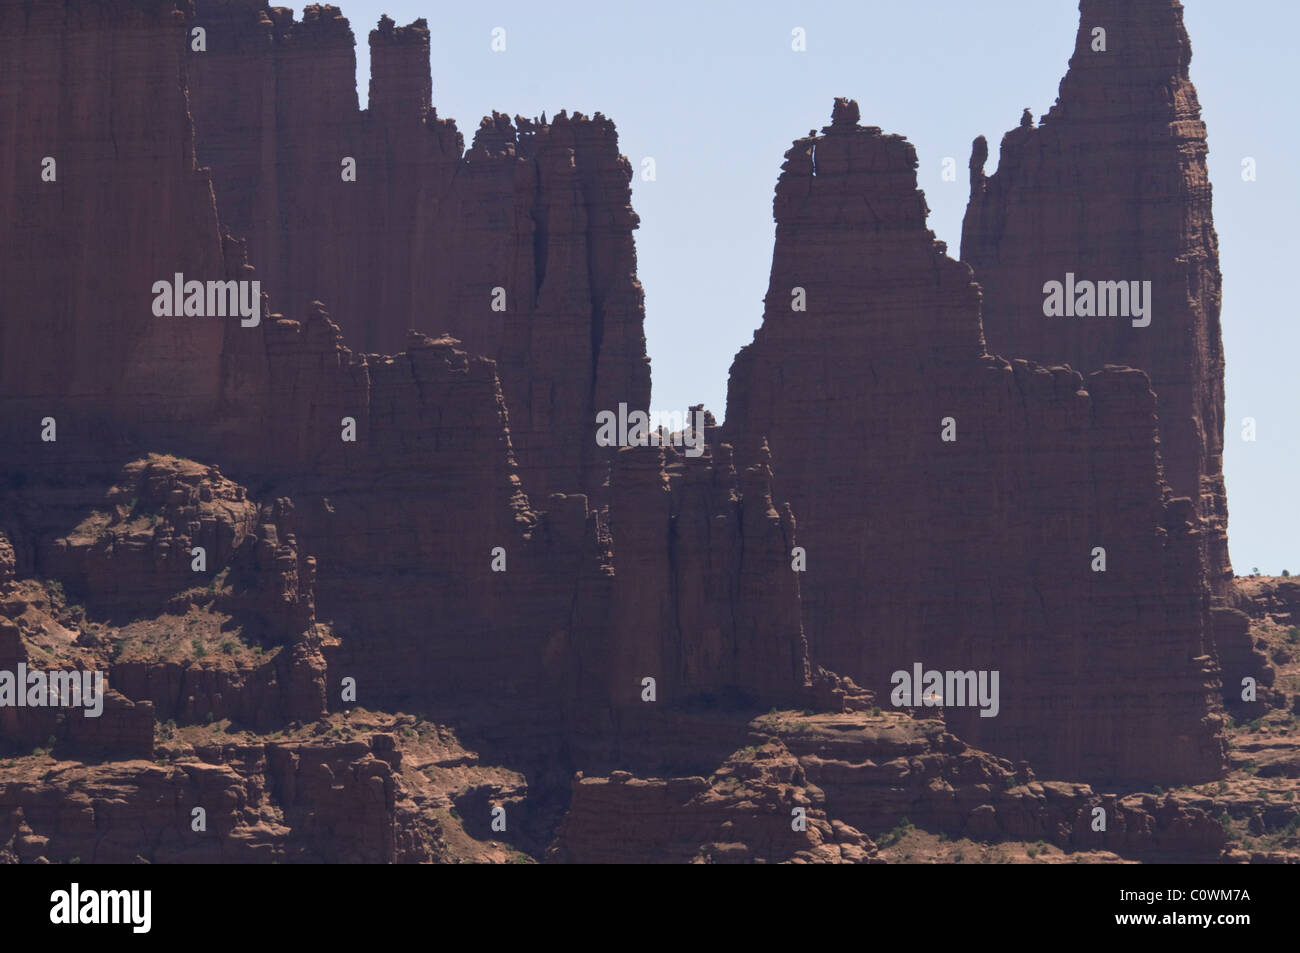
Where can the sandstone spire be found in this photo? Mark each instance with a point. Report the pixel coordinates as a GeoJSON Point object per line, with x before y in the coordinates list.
{"type": "Point", "coordinates": [951, 503]}
{"type": "Point", "coordinates": [520, 246]}
{"type": "Point", "coordinates": [1112, 185]}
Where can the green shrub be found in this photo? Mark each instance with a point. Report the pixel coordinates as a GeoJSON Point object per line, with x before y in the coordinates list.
{"type": "Point", "coordinates": [896, 834]}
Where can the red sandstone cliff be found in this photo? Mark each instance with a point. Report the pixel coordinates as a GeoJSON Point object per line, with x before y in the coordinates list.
{"type": "Point", "coordinates": [372, 559]}
{"type": "Point", "coordinates": [426, 231]}
{"type": "Point", "coordinates": [404, 522]}
{"type": "Point", "coordinates": [78, 340]}
{"type": "Point", "coordinates": [973, 553]}
{"type": "Point", "coordinates": [1112, 185]}
{"type": "Point", "coordinates": [732, 622]}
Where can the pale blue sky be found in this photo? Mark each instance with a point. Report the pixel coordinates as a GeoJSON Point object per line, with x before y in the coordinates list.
{"type": "Point", "coordinates": [715, 94]}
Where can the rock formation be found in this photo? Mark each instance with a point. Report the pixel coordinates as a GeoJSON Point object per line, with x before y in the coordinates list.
{"type": "Point", "coordinates": [319, 803]}
{"type": "Point", "coordinates": [854, 773]}
{"type": "Point", "coordinates": [1112, 186]}
{"type": "Point", "coordinates": [395, 477]}
{"type": "Point", "coordinates": [100, 200]}
{"type": "Point", "coordinates": [410, 536]}
{"type": "Point", "coordinates": [520, 247]}
{"type": "Point", "coordinates": [952, 504]}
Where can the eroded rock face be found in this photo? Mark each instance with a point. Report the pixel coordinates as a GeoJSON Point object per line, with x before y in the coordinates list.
{"type": "Point", "coordinates": [121, 728]}
{"type": "Point", "coordinates": [687, 820]}
{"type": "Point", "coordinates": [78, 340]}
{"type": "Point", "coordinates": [521, 246]}
{"type": "Point", "coordinates": [171, 547]}
{"type": "Point", "coordinates": [394, 481]}
{"type": "Point", "coordinates": [693, 528]}
{"type": "Point", "coordinates": [857, 774]}
{"type": "Point", "coordinates": [437, 524]}
{"type": "Point", "coordinates": [138, 548]}
{"type": "Point", "coordinates": [953, 504]}
{"type": "Point", "coordinates": [315, 803]}
{"type": "Point", "coordinates": [7, 561]}
{"type": "Point", "coordinates": [1112, 185]}
{"type": "Point", "coordinates": [539, 210]}
{"type": "Point", "coordinates": [165, 527]}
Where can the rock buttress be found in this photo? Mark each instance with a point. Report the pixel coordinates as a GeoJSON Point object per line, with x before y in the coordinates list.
{"type": "Point", "coordinates": [1113, 186]}
{"type": "Point", "coordinates": [401, 523]}
{"type": "Point", "coordinates": [703, 598]}
{"type": "Point", "coordinates": [521, 247]}
{"type": "Point", "coordinates": [974, 552]}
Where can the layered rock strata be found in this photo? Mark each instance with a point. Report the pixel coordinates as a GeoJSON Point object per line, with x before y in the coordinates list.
{"type": "Point", "coordinates": [521, 246]}
{"type": "Point", "coordinates": [437, 526]}
{"type": "Point", "coordinates": [1112, 186]}
{"type": "Point", "coordinates": [856, 774]}
{"type": "Point", "coordinates": [962, 511]}
{"type": "Point", "coordinates": [395, 478]}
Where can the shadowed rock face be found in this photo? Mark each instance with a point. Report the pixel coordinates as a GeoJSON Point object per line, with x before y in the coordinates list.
{"type": "Point", "coordinates": [425, 232]}
{"type": "Point", "coordinates": [403, 521]}
{"type": "Point", "coordinates": [975, 552]}
{"type": "Point", "coordinates": [76, 329]}
{"type": "Point", "coordinates": [1112, 186]}
{"type": "Point", "coordinates": [372, 559]}
{"type": "Point", "coordinates": [856, 773]}
{"type": "Point", "coordinates": [421, 238]}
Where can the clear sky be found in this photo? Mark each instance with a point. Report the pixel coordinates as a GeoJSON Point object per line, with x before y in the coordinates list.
{"type": "Point", "coordinates": [715, 94]}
